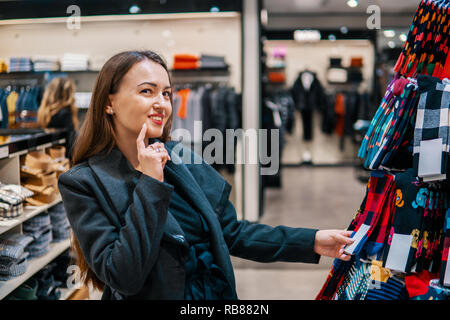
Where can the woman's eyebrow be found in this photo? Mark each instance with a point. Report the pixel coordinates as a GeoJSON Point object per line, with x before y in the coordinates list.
{"type": "Point", "coordinates": [149, 83]}
{"type": "Point", "coordinates": [153, 85]}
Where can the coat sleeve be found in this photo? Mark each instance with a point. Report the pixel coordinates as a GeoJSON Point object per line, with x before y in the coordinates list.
{"type": "Point", "coordinates": [123, 257]}
{"type": "Point", "coordinates": [264, 243]}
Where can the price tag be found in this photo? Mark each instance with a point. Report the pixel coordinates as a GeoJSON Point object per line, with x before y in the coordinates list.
{"type": "Point", "coordinates": [430, 156]}
{"type": "Point", "coordinates": [399, 252]}
{"type": "Point", "coordinates": [447, 271]}
{"type": "Point", "coordinates": [358, 236]}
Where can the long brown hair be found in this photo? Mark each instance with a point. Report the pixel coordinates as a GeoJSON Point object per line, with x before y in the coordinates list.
{"type": "Point", "coordinates": [59, 94]}
{"type": "Point", "coordinates": [97, 135]}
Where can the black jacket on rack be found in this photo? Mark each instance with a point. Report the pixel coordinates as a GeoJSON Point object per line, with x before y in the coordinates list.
{"type": "Point", "coordinates": [308, 94]}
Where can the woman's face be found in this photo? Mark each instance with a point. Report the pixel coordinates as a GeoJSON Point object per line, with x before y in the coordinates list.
{"type": "Point", "coordinates": [143, 96]}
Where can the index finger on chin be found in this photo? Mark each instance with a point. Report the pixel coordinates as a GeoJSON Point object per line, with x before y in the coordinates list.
{"type": "Point", "coordinates": [140, 139]}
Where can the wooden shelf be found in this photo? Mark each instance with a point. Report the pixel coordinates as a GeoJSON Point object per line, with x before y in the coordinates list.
{"type": "Point", "coordinates": [66, 292]}
{"type": "Point", "coordinates": [28, 213]}
{"type": "Point", "coordinates": [34, 265]}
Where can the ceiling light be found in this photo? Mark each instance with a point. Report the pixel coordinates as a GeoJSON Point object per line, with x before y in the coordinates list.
{"type": "Point", "coordinates": [332, 37]}
{"type": "Point", "coordinates": [391, 44]}
{"type": "Point", "coordinates": [344, 30]}
{"type": "Point", "coordinates": [214, 9]}
{"type": "Point", "coordinates": [307, 35]}
{"type": "Point", "coordinates": [134, 9]}
{"type": "Point", "coordinates": [403, 37]}
{"type": "Point", "coordinates": [389, 33]}
{"type": "Point", "coordinates": [352, 3]}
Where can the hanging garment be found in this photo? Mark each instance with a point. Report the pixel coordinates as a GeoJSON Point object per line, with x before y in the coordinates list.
{"type": "Point", "coordinates": [427, 44]}
{"type": "Point", "coordinates": [11, 103]}
{"type": "Point", "coordinates": [339, 109]}
{"type": "Point", "coordinates": [184, 95]}
{"type": "Point", "coordinates": [402, 244]}
{"type": "Point", "coordinates": [356, 283]}
{"type": "Point", "coordinates": [307, 93]}
{"type": "Point", "coordinates": [376, 202]}
{"type": "Point", "coordinates": [393, 289]}
{"type": "Point", "coordinates": [431, 130]}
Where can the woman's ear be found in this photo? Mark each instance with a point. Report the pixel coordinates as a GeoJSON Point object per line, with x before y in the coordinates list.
{"type": "Point", "coordinates": [109, 108]}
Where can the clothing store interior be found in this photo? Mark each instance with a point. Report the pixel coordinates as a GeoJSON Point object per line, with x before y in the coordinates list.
{"type": "Point", "coordinates": [342, 99]}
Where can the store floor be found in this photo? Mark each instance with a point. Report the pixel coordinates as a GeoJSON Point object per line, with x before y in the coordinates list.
{"type": "Point", "coordinates": [312, 197]}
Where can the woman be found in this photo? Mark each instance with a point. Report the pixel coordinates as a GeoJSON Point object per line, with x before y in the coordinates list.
{"type": "Point", "coordinates": [58, 109]}
{"type": "Point", "coordinates": [147, 226]}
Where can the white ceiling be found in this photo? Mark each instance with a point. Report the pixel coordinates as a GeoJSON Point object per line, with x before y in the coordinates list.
{"type": "Point", "coordinates": [327, 6]}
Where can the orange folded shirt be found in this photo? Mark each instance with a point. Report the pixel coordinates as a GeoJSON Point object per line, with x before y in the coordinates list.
{"type": "Point", "coordinates": [277, 77]}
{"type": "Point", "coordinates": [186, 65]}
{"type": "Point", "coordinates": [183, 57]}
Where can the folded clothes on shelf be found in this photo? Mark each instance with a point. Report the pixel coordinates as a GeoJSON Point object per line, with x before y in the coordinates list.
{"type": "Point", "coordinates": [40, 229]}
{"type": "Point", "coordinates": [74, 62]}
{"type": "Point", "coordinates": [20, 64]}
{"type": "Point", "coordinates": [14, 268]}
{"type": "Point", "coordinates": [3, 66]}
{"type": "Point", "coordinates": [185, 61]}
{"type": "Point", "coordinates": [60, 224]}
{"type": "Point", "coordinates": [40, 171]}
{"type": "Point", "coordinates": [47, 285]}
{"type": "Point", "coordinates": [26, 291]}
{"type": "Point", "coordinates": [45, 63]}
{"type": "Point", "coordinates": [13, 256]}
{"type": "Point", "coordinates": [212, 62]}
{"type": "Point", "coordinates": [12, 198]}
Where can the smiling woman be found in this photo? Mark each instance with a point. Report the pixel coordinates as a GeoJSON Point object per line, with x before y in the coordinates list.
{"type": "Point", "coordinates": [146, 227]}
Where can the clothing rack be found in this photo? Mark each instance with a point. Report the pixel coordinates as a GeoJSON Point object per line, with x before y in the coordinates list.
{"type": "Point", "coordinates": [401, 236]}
{"type": "Point", "coordinates": [19, 82]}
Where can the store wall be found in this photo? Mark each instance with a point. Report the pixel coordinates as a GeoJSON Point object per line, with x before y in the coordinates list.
{"type": "Point", "coordinates": [210, 34]}
{"type": "Point", "coordinates": [316, 57]}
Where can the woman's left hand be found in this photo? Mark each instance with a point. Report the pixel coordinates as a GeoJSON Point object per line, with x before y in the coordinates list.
{"type": "Point", "coordinates": [331, 243]}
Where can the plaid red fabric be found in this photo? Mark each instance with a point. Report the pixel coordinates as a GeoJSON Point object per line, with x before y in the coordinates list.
{"type": "Point", "coordinates": [380, 233]}
{"type": "Point", "coordinates": [378, 191]}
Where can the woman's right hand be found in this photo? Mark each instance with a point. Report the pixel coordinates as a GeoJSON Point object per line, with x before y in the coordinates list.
{"type": "Point", "coordinates": [152, 158]}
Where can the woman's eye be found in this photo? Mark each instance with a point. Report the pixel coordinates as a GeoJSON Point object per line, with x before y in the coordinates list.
{"type": "Point", "coordinates": [146, 91]}
{"type": "Point", "coordinates": [166, 94]}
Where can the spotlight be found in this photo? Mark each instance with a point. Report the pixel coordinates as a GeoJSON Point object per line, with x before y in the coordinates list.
{"type": "Point", "coordinates": [134, 9]}
{"type": "Point", "coordinates": [214, 9]}
{"type": "Point", "coordinates": [352, 3]}
{"type": "Point", "coordinates": [389, 33]}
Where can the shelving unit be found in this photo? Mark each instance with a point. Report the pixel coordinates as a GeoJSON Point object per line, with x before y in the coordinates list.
{"type": "Point", "coordinates": [66, 293]}
{"type": "Point", "coordinates": [28, 213]}
{"type": "Point", "coordinates": [10, 152]}
{"type": "Point", "coordinates": [34, 265]}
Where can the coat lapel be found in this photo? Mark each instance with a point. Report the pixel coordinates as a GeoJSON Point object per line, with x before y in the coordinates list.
{"type": "Point", "coordinates": [117, 178]}
{"type": "Point", "coordinates": [209, 193]}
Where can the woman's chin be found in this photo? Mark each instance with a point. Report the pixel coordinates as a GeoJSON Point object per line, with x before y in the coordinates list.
{"type": "Point", "coordinates": [154, 133]}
